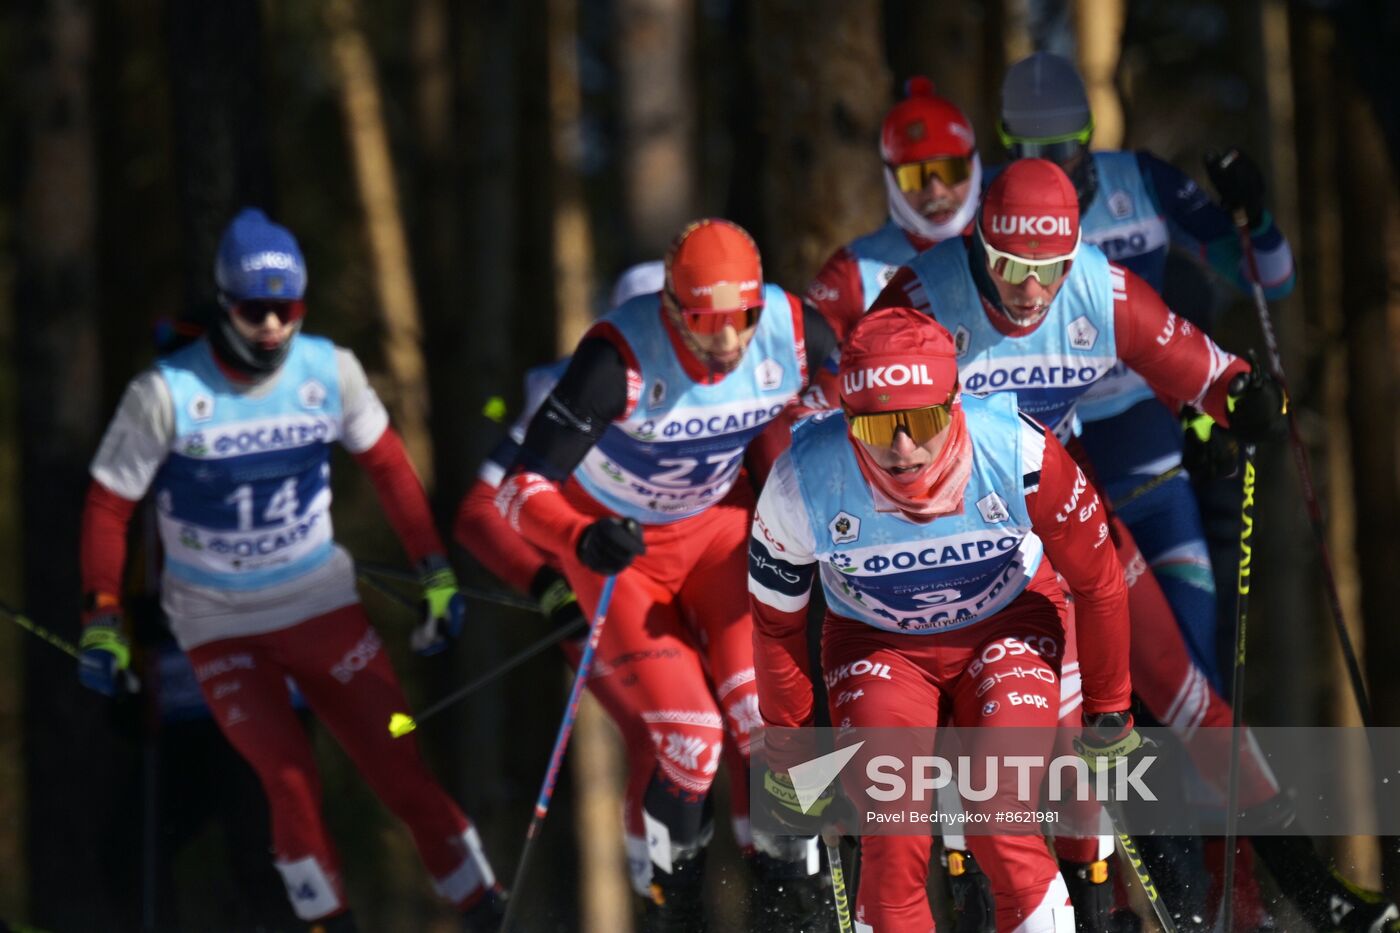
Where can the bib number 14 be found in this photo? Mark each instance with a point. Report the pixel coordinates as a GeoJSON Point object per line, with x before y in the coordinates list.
{"type": "Point", "coordinates": [281, 508]}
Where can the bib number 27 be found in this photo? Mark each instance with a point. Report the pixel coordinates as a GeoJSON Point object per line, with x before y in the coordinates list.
{"type": "Point", "coordinates": [680, 472]}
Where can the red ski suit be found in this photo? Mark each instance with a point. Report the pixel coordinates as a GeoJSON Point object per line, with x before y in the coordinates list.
{"type": "Point", "coordinates": [964, 677]}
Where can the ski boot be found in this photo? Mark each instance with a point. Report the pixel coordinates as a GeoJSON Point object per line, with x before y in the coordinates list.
{"type": "Point", "coordinates": [676, 900]}
{"type": "Point", "coordinates": [1090, 893]}
{"type": "Point", "coordinates": [1359, 910]}
{"type": "Point", "coordinates": [972, 894]}
{"type": "Point", "coordinates": [787, 899]}
{"type": "Point", "coordinates": [1326, 900]}
{"type": "Point", "coordinates": [486, 915]}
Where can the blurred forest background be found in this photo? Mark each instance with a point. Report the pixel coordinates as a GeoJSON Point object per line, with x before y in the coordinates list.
{"type": "Point", "coordinates": [466, 178]}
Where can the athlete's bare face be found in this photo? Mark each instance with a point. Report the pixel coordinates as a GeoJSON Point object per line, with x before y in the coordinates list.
{"type": "Point", "coordinates": [939, 202]}
{"type": "Point", "coordinates": [904, 460]}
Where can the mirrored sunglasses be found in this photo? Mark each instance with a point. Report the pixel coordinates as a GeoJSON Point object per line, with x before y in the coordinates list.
{"type": "Point", "coordinates": [1054, 148]}
{"type": "Point", "coordinates": [915, 176]}
{"type": "Point", "coordinates": [255, 310]}
{"type": "Point", "coordinates": [878, 429]}
{"type": "Point", "coordinates": [708, 321]}
{"type": "Point", "coordinates": [1014, 269]}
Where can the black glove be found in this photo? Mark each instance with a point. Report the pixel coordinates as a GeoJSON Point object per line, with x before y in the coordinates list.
{"type": "Point", "coordinates": [557, 601]}
{"type": "Point", "coordinates": [1208, 451]}
{"type": "Point", "coordinates": [1239, 183]}
{"type": "Point", "coordinates": [609, 544]}
{"type": "Point", "coordinates": [1257, 405]}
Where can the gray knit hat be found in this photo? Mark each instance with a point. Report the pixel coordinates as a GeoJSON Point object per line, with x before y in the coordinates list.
{"type": "Point", "coordinates": [1043, 96]}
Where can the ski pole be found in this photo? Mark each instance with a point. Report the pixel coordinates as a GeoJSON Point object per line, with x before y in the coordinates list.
{"type": "Point", "coordinates": [34, 628]}
{"type": "Point", "coordinates": [1300, 459]}
{"type": "Point", "coordinates": [133, 683]}
{"type": "Point", "coordinates": [1128, 851]}
{"type": "Point", "coordinates": [1232, 794]}
{"type": "Point", "coordinates": [401, 724]}
{"type": "Point", "coordinates": [561, 744]}
{"type": "Point", "coordinates": [423, 634]}
{"type": "Point", "coordinates": [1148, 486]}
{"type": "Point", "coordinates": [838, 879]}
{"type": "Point", "coordinates": [371, 573]}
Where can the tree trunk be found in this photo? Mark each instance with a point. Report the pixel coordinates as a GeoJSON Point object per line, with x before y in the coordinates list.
{"type": "Point", "coordinates": [596, 756]}
{"type": "Point", "coordinates": [222, 161]}
{"type": "Point", "coordinates": [944, 42]}
{"type": "Point", "coordinates": [658, 119]}
{"type": "Point", "coordinates": [823, 90]}
{"type": "Point", "coordinates": [1370, 243]}
{"type": "Point", "coordinates": [78, 770]}
{"type": "Point", "coordinates": [393, 273]}
{"type": "Point", "coordinates": [1098, 30]}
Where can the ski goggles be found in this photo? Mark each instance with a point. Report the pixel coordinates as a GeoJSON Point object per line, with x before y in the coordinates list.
{"type": "Point", "coordinates": [1013, 269]}
{"type": "Point", "coordinates": [255, 310]}
{"type": "Point", "coordinates": [707, 321]}
{"type": "Point", "coordinates": [878, 429]}
{"type": "Point", "coordinates": [1058, 149]}
{"type": "Point", "coordinates": [915, 176]}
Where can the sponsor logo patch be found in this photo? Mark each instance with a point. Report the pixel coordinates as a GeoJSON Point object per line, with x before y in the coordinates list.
{"type": "Point", "coordinates": [768, 375]}
{"type": "Point", "coordinates": [1120, 205]}
{"type": "Point", "coordinates": [993, 508]}
{"type": "Point", "coordinates": [1082, 334]}
{"type": "Point", "coordinates": [201, 407]}
{"type": "Point", "coordinates": [844, 528]}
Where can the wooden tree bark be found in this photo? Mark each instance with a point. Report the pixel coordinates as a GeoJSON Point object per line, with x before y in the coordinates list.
{"type": "Point", "coordinates": [944, 42]}
{"type": "Point", "coordinates": [1370, 245]}
{"type": "Point", "coordinates": [1317, 250]}
{"type": "Point", "coordinates": [393, 275]}
{"type": "Point", "coordinates": [823, 89]}
{"type": "Point", "coordinates": [74, 763]}
{"type": "Point", "coordinates": [658, 121]}
{"type": "Point", "coordinates": [222, 161]}
{"type": "Point", "coordinates": [596, 756]}
{"type": "Point", "coordinates": [1098, 29]}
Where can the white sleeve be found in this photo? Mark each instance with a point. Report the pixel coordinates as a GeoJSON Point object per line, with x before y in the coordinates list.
{"type": "Point", "coordinates": [1032, 451]}
{"type": "Point", "coordinates": [138, 439]}
{"type": "Point", "coordinates": [363, 416]}
{"type": "Point", "coordinates": [781, 547]}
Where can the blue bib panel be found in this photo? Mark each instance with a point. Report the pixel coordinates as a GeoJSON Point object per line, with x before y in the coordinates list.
{"type": "Point", "coordinates": [1053, 365]}
{"type": "Point", "coordinates": [879, 256]}
{"type": "Point", "coordinates": [244, 497]}
{"type": "Point", "coordinates": [681, 448]}
{"type": "Point", "coordinates": [900, 576]}
{"type": "Point", "coordinates": [1126, 222]}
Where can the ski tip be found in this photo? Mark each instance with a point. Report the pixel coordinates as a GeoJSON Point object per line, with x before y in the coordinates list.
{"type": "Point", "coordinates": [401, 724]}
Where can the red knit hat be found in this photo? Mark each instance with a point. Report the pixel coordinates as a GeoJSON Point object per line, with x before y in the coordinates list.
{"type": "Point", "coordinates": [1031, 211]}
{"type": "Point", "coordinates": [714, 265]}
{"type": "Point", "coordinates": [896, 359]}
{"type": "Point", "coordinates": [924, 126]}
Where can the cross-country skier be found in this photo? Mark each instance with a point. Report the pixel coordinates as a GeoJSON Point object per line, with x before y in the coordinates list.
{"type": "Point", "coordinates": [233, 434]}
{"type": "Point", "coordinates": [482, 531]}
{"type": "Point", "coordinates": [1034, 310]}
{"type": "Point", "coordinates": [633, 466]}
{"type": "Point", "coordinates": [1136, 208]}
{"type": "Point", "coordinates": [933, 178]}
{"type": "Point", "coordinates": [910, 465]}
